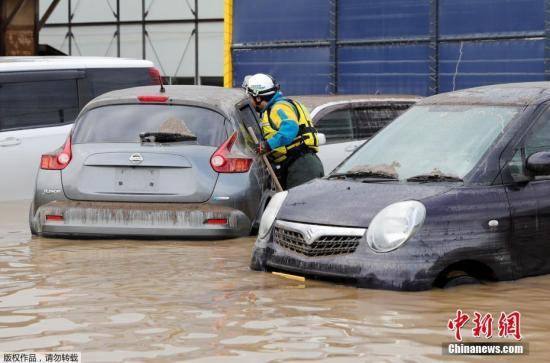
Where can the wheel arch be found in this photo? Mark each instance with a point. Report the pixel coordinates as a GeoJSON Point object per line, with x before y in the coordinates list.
{"type": "Point", "coordinates": [475, 268]}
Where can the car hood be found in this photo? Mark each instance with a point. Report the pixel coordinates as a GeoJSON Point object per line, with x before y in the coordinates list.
{"type": "Point", "coordinates": [350, 203]}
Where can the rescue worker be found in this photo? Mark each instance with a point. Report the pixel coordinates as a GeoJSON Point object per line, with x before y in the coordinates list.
{"type": "Point", "coordinates": [291, 141]}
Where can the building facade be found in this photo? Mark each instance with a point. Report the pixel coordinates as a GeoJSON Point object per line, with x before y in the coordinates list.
{"type": "Point", "coordinates": [167, 32]}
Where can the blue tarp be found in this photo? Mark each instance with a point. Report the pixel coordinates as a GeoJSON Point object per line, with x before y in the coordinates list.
{"type": "Point", "coordinates": [490, 16]}
{"type": "Point", "coordinates": [472, 50]}
{"type": "Point", "coordinates": [281, 20]}
{"type": "Point", "coordinates": [373, 19]}
{"type": "Point", "coordinates": [470, 64]}
{"type": "Point", "coordinates": [298, 70]}
{"type": "Point", "coordinates": [384, 69]}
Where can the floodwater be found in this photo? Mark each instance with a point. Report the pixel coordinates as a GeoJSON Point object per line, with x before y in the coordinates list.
{"type": "Point", "coordinates": [145, 301]}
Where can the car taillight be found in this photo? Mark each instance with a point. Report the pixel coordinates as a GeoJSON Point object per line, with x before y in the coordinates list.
{"type": "Point", "coordinates": [155, 75]}
{"type": "Point", "coordinates": [223, 162]}
{"type": "Point", "coordinates": [59, 160]}
{"type": "Point", "coordinates": [54, 217]}
{"type": "Point", "coordinates": [216, 221]}
{"type": "Point", "coordinates": [146, 99]}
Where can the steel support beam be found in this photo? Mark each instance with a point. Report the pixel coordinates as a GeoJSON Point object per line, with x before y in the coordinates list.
{"type": "Point", "coordinates": [143, 30]}
{"type": "Point", "coordinates": [12, 15]}
{"type": "Point", "coordinates": [47, 14]}
{"type": "Point", "coordinates": [393, 41]}
{"type": "Point", "coordinates": [134, 22]}
{"type": "Point", "coordinates": [70, 28]}
{"type": "Point", "coordinates": [547, 40]}
{"type": "Point", "coordinates": [333, 31]}
{"type": "Point", "coordinates": [118, 28]}
{"type": "Point", "coordinates": [434, 47]}
{"type": "Point", "coordinates": [281, 45]}
{"type": "Point", "coordinates": [196, 14]}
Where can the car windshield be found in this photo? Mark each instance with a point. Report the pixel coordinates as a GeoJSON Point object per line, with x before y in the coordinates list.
{"type": "Point", "coordinates": [150, 123]}
{"type": "Point", "coordinates": [432, 143]}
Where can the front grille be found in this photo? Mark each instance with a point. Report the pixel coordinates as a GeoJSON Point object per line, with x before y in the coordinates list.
{"type": "Point", "coordinates": [322, 246]}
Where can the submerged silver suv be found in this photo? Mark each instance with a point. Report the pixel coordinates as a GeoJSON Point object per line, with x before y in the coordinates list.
{"type": "Point", "coordinates": [140, 162]}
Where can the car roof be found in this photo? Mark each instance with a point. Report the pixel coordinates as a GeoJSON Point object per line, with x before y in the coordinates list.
{"type": "Point", "coordinates": [223, 99]}
{"type": "Point", "coordinates": [12, 64]}
{"type": "Point", "coordinates": [508, 94]}
{"type": "Point", "coordinates": [314, 101]}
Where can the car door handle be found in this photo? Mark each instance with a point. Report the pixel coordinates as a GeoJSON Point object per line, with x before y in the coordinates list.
{"type": "Point", "coordinates": [351, 148]}
{"type": "Point", "coordinates": [10, 141]}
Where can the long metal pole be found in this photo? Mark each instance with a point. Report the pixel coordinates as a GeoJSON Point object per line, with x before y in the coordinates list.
{"type": "Point", "coordinates": [333, 83]}
{"type": "Point", "coordinates": [434, 47]}
{"type": "Point", "coordinates": [47, 13]}
{"type": "Point", "coordinates": [118, 28]}
{"type": "Point", "coordinates": [547, 40]}
{"type": "Point", "coordinates": [12, 15]}
{"type": "Point", "coordinates": [70, 33]}
{"type": "Point", "coordinates": [267, 164]}
{"type": "Point", "coordinates": [227, 42]}
{"type": "Point", "coordinates": [197, 80]}
{"type": "Point", "coordinates": [143, 15]}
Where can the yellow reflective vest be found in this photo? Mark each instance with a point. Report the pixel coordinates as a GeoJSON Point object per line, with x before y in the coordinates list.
{"type": "Point", "coordinates": [305, 141]}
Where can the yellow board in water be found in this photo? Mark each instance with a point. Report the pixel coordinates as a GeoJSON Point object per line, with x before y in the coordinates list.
{"type": "Point", "coordinates": [290, 277]}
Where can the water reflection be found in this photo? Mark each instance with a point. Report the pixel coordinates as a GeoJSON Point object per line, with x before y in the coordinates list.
{"type": "Point", "coordinates": [171, 301]}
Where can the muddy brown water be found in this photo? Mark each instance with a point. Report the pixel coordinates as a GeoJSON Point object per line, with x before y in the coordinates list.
{"type": "Point", "coordinates": [156, 301]}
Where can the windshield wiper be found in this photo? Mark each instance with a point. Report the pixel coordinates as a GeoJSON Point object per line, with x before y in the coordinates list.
{"type": "Point", "coordinates": [434, 178]}
{"type": "Point", "coordinates": [165, 137]}
{"type": "Point", "coordinates": [363, 174]}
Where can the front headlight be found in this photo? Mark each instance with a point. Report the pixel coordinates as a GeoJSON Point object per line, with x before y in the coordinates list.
{"type": "Point", "coordinates": [270, 213]}
{"type": "Point", "coordinates": [394, 225]}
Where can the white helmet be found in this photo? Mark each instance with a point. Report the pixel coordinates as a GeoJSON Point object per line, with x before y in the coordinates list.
{"type": "Point", "coordinates": [260, 85]}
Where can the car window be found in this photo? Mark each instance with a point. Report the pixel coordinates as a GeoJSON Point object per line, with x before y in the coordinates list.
{"type": "Point", "coordinates": [537, 139]}
{"type": "Point", "coordinates": [369, 119]}
{"type": "Point", "coordinates": [102, 80]}
{"type": "Point", "coordinates": [124, 123]}
{"type": "Point", "coordinates": [248, 118]}
{"type": "Point", "coordinates": [36, 104]}
{"type": "Point", "coordinates": [433, 139]}
{"type": "Point", "coordinates": [336, 125]}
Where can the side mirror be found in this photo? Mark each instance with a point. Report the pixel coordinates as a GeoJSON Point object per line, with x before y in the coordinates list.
{"type": "Point", "coordinates": [539, 163]}
{"type": "Point", "coordinates": [322, 138]}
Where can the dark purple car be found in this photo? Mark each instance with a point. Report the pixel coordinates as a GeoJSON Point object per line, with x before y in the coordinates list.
{"type": "Point", "coordinates": [456, 190]}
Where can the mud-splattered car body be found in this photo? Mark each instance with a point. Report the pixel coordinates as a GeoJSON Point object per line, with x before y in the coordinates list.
{"type": "Point", "coordinates": [491, 222]}
{"type": "Point", "coordinates": [116, 180]}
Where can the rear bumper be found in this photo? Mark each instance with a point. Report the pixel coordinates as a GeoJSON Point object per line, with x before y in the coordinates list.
{"type": "Point", "coordinates": [150, 220]}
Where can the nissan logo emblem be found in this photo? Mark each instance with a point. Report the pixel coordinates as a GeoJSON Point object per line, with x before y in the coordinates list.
{"type": "Point", "coordinates": [136, 158]}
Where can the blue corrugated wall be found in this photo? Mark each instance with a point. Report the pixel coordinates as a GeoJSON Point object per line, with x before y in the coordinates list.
{"type": "Point", "coordinates": [389, 46]}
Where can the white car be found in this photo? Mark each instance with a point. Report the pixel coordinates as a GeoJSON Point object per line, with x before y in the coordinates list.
{"type": "Point", "coordinates": [347, 121]}
{"type": "Point", "coordinates": [40, 98]}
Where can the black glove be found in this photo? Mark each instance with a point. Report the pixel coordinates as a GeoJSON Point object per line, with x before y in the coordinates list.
{"type": "Point", "coordinates": [262, 148]}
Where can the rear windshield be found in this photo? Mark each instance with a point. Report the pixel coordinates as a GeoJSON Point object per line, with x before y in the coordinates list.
{"type": "Point", "coordinates": [102, 80]}
{"type": "Point", "coordinates": [124, 123]}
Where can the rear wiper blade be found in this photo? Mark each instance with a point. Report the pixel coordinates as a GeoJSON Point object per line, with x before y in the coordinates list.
{"type": "Point", "coordinates": [165, 137]}
{"type": "Point", "coordinates": [363, 174]}
{"type": "Point", "coordinates": [434, 178]}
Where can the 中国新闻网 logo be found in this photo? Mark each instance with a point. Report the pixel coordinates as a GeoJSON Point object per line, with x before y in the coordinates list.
{"type": "Point", "coordinates": [507, 326]}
